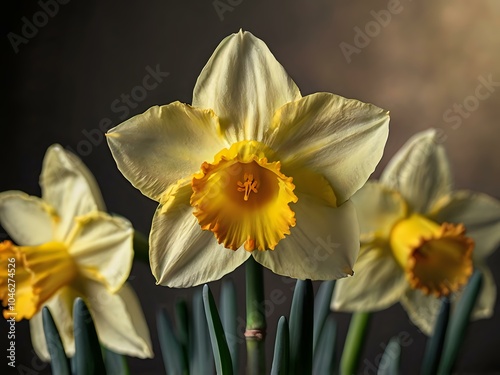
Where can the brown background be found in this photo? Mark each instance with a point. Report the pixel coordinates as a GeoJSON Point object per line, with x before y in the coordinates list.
{"type": "Point", "coordinates": [426, 59]}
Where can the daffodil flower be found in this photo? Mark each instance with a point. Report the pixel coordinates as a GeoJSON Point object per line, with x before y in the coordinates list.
{"type": "Point", "coordinates": [420, 240]}
{"type": "Point", "coordinates": [252, 168]}
{"type": "Point", "coordinates": [68, 247]}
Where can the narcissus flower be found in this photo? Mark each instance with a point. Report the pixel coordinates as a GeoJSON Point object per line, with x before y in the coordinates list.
{"type": "Point", "coordinates": [420, 239]}
{"type": "Point", "coordinates": [68, 247]}
{"type": "Point", "coordinates": [252, 168]}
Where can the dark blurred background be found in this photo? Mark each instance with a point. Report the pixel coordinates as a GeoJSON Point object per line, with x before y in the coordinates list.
{"type": "Point", "coordinates": [64, 79]}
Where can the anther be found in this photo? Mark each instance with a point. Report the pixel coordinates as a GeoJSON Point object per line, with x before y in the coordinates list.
{"type": "Point", "coordinates": [248, 186]}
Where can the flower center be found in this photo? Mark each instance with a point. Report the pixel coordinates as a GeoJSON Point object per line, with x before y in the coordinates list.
{"type": "Point", "coordinates": [437, 258]}
{"type": "Point", "coordinates": [40, 271]}
{"type": "Point", "coordinates": [249, 185]}
{"type": "Point", "coordinates": [244, 199]}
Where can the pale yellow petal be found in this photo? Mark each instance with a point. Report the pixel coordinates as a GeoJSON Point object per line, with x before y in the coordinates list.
{"type": "Point", "coordinates": [322, 246]}
{"type": "Point", "coordinates": [28, 220]}
{"type": "Point", "coordinates": [165, 144]}
{"type": "Point", "coordinates": [485, 304]}
{"type": "Point", "coordinates": [102, 248]}
{"type": "Point", "coordinates": [478, 212]}
{"type": "Point", "coordinates": [422, 309]}
{"type": "Point", "coordinates": [341, 139]}
{"type": "Point", "coordinates": [119, 320]}
{"type": "Point", "coordinates": [244, 84]}
{"type": "Point", "coordinates": [378, 210]}
{"type": "Point", "coordinates": [181, 253]}
{"type": "Point", "coordinates": [38, 337]}
{"type": "Point", "coordinates": [378, 282]}
{"type": "Point", "coordinates": [69, 187]}
{"type": "Point", "coordinates": [420, 171]}
{"type": "Point", "coordinates": [61, 308]}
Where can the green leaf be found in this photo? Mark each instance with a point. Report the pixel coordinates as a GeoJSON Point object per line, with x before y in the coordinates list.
{"type": "Point", "coordinates": [59, 363]}
{"type": "Point", "coordinates": [223, 363]}
{"type": "Point", "coordinates": [182, 325]}
{"type": "Point", "coordinates": [88, 356]}
{"type": "Point", "coordinates": [182, 321]}
{"type": "Point", "coordinates": [458, 323]}
{"type": "Point", "coordinates": [201, 359]}
{"type": "Point", "coordinates": [116, 364]}
{"type": "Point", "coordinates": [301, 328]}
{"type": "Point", "coordinates": [435, 343]}
{"type": "Point", "coordinates": [391, 359]}
{"type": "Point", "coordinates": [281, 359]}
{"type": "Point", "coordinates": [322, 303]}
{"type": "Point", "coordinates": [354, 343]}
{"type": "Point", "coordinates": [324, 356]}
{"type": "Point", "coordinates": [173, 357]}
{"type": "Point", "coordinates": [228, 315]}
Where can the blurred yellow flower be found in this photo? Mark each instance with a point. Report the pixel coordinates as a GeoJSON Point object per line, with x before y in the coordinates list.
{"type": "Point", "coordinates": [69, 247]}
{"type": "Point", "coordinates": [251, 165]}
{"type": "Point", "coordinates": [419, 238]}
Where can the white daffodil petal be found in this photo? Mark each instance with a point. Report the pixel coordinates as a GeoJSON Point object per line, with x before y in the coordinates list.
{"type": "Point", "coordinates": [422, 309]}
{"type": "Point", "coordinates": [485, 304]}
{"type": "Point", "coordinates": [420, 171]}
{"type": "Point", "coordinates": [69, 187]}
{"type": "Point", "coordinates": [61, 309]}
{"type": "Point", "coordinates": [165, 144]}
{"type": "Point", "coordinates": [119, 320]}
{"type": "Point", "coordinates": [28, 220]}
{"type": "Point", "coordinates": [378, 282]}
{"type": "Point", "coordinates": [244, 84]}
{"type": "Point", "coordinates": [38, 337]}
{"type": "Point", "coordinates": [181, 253]}
{"type": "Point", "coordinates": [60, 164]}
{"type": "Point", "coordinates": [479, 213]}
{"type": "Point", "coordinates": [378, 210]}
{"type": "Point", "coordinates": [341, 139]}
{"type": "Point", "coordinates": [102, 248]}
{"type": "Point", "coordinates": [322, 246]}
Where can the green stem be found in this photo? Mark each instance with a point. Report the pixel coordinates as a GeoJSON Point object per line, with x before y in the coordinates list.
{"type": "Point", "coordinates": [354, 343]}
{"type": "Point", "coordinates": [256, 320]}
{"type": "Point", "coordinates": [141, 247]}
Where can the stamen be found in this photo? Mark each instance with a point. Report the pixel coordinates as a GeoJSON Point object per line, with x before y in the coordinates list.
{"type": "Point", "coordinates": [248, 186]}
